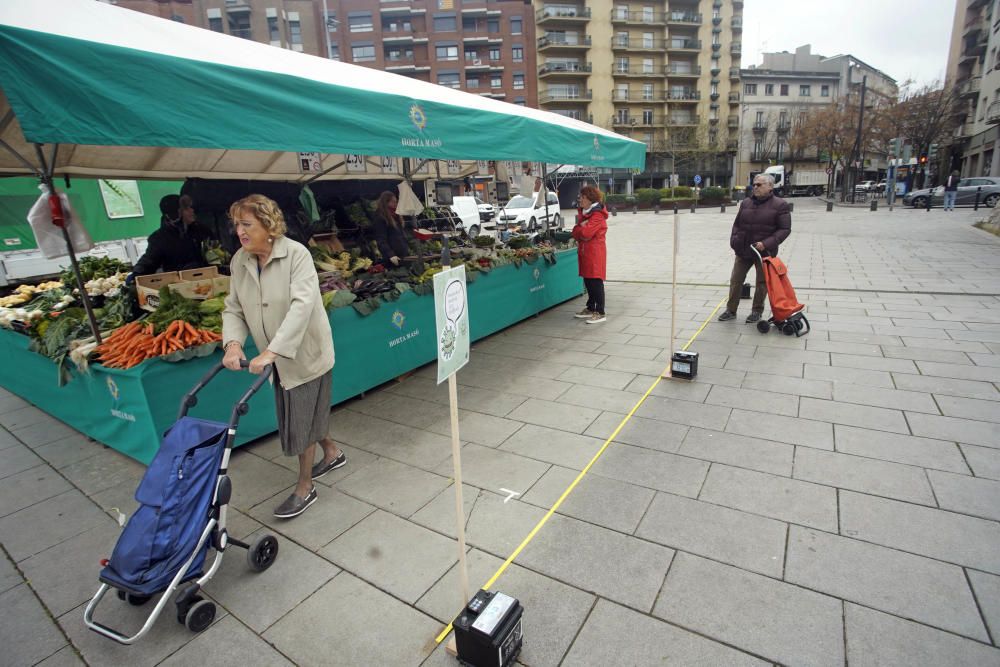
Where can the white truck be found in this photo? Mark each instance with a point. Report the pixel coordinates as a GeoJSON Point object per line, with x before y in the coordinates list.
{"type": "Point", "coordinates": [806, 182]}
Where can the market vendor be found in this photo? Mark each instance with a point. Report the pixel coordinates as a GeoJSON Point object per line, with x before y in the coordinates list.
{"type": "Point", "coordinates": [389, 230]}
{"type": "Point", "coordinates": [177, 244]}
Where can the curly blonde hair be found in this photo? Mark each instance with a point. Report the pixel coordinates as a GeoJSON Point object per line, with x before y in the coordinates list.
{"type": "Point", "coordinates": [264, 209]}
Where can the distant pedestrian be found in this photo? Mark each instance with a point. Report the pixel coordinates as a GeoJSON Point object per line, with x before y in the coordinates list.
{"type": "Point", "coordinates": [950, 191]}
{"type": "Point", "coordinates": [763, 221]}
{"type": "Point", "coordinates": [590, 229]}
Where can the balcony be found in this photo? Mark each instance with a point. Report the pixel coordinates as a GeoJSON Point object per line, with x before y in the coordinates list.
{"type": "Point", "coordinates": [565, 97]}
{"type": "Point", "coordinates": [622, 17]}
{"type": "Point", "coordinates": [237, 6]}
{"type": "Point", "coordinates": [733, 121]}
{"type": "Point", "coordinates": [638, 121]}
{"type": "Point", "coordinates": [557, 42]}
{"type": "Point", "coordinates": [683, 121]}
{"type": "Point", "coordinates": [734, 98]}
{"type": "Point", "coordinates": [736, 48]}
{"type": "Point", "coordinates": [683, 18]}
{"type": "Point", "coordinates": [683, 45]}
{"type": "Point", "coordinates": [477, 66]}
{"type": "Point", "coordinates": [760, 127]}
{"type": "Point", "coordinates": [970, 87]}
{"type": "Point", "coordinates": [783, 127]}
{"type": "Point", "coordinates": [762, 156]}
{"type": "Point", "coordinates": [554, 16]}
{"type": "Point", "coordinates": [734, 72]}
{"type": "Point", "coordinates": [637, 73]}
{"type": "Point", "coordinates": [564, 69]}
{"type": "Point", "coordinates": [737, 23]}
{"type": "Point", "coordinates": [992, 114]}
{"type": "Point", "coordinates": [675, 70]}
{"type": "Point", "coordinates": [973, 25]}
{"type": "Point", "coordinates": [682, 96]}
{"type": "Point", "coordinates": [636, 44]}
{"type": "Point", "coordinates": [732, 145]}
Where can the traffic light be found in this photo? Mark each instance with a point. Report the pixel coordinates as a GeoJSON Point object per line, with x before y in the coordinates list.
{"type": "Point", "coordinates": [894, 148]}
{"type": "Point", "coordinates": [932, 152]}
{"type": "Point", "coordinates": [923, 158]}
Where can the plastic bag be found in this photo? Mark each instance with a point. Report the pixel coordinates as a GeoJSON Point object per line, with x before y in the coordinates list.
{"type": "Point", "coordinates": [49, 237]}
{"type": "Point", "coordinates": [408, 203]}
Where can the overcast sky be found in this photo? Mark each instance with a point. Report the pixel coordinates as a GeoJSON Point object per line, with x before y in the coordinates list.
{"type": "Point", "coordinates": [906, 40]}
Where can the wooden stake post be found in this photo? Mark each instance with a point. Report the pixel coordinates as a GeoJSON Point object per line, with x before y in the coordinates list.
{"type": "Point", "coordinates": [456, 457]}
{"type": "Point", "coordinates": [673, 298]}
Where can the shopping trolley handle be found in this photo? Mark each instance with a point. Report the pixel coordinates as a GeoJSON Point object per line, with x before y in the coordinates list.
{"type": "Point", "coordinates": [753, 246]}
{"type": "Point", "coordinates": [190, 399]}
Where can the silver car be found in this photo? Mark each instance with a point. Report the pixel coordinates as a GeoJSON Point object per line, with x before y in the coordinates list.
{"type": "Point", "coordinates": [989, 194]}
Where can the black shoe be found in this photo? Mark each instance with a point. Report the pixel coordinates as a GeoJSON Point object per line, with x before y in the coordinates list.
{"type": "Point", "coordinates": [321, 468]}
{"type": "Point", "coordinates": [753, 317]}
{"type": "Point", "coordinates": [295, 506]}
{"type": "Point", "coordinates": [726, 316]}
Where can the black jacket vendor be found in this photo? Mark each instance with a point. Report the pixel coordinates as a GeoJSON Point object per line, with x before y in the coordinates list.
{"type": "Point", "coordinates": [177, 244]}
{"type": "Point", "coordinates": [389, 231]}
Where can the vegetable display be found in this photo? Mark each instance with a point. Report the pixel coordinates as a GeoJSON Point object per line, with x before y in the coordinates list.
{"type": "Point", "coordinates": [136, 342]}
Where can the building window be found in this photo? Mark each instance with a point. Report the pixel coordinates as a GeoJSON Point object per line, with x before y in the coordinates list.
{"type": "Point", "coordinates": [713, 137]}
{"type": "Point", "coordinates": [472, 83]}
{"type": "Point", "coordinates": [272, 28]}
{"type": "Point", "coordinates": [517, 53]}
{"type": "Point", "coordinates": [496, 81]}
{"type": "Point", "coordinates": [647, 116]}
{"type": "Point", "coordinates": [621, 66]}
{"type": "Point", "coordinates": [648, 40]}
{"type": "Point", "coordinates": [446, 52]}
{"type": "Point", "coordinates": [750, 89]}
{"type": "Point", "coordinates": [334, 52]}
{"type": "Point", "coordinates": [647, 91]}
{"type": "Point", "coordinates": [493, 25]}
{"type": "Point", "coordinates": [449, 79]}
{"type": "Point", "coordinates": [805, 91]}
{"type": "Point", "coordinates": [470, 24]}
{"type": "Point", "coordinates": [239, 26]}
{"type": "Point", "coordinates": [215, 24]}
{"type": "Point", "coordinates": [519, 101]}
{"type": "Point", "coordinates": [363, 54]}
{"type": "Point", "coordinates": [759, 120]}
{"type": "Point", "coordinates": [647, 65]}
{"type": "Point", "coordinates": [398, 53]}
{"type": "Point", "coordinates": [824, 91]}
{"type": "Point", "coordinates": [516, 25]}
{"type": "Point", "coordinates": [360, 23]}
{"type": "Point", "coordinates": [396, 25]}
{"type": "Point", "coordinates": [295, 33]}
{"type": "Point", "coordinates": [331, 22]}
{"type": "Point", "coordinates": [784, 90]}
{"type": "Point", "coordinates": [769, 89]}
{"type": "Point", "coordinates": [519, 81]}
{"type": "Point", "coordinates": [445, 24]}
{"type": "Point", "coordinates": [494, 53]}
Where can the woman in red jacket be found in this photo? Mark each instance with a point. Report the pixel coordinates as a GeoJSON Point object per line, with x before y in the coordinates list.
{"type": "Point", "coordinates": [590, 229]}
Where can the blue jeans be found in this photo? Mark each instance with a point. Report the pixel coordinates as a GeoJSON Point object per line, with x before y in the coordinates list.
{"type": "Point", "coordinates": [949, 200]}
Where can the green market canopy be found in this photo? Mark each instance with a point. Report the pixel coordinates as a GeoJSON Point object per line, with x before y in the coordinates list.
{"type": "Point", "coordinates": [132, 95]}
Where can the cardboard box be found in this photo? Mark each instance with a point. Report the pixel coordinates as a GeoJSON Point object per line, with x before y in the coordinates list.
{"type": "Point", "coordinates": [200, 284]}
{"type": "Point", "coordinates": [147, 288]}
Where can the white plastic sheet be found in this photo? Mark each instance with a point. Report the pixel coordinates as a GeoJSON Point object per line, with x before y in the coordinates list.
{"type": "Point", "coordinates": [49, 237]}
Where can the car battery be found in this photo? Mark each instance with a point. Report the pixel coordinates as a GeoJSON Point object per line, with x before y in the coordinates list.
{"type": "Point", "coordinates": [684, 365]}
{"type": "Point", "coordinates": [745, 291]}
{"type": "Point", "coordinates": [488, 631]}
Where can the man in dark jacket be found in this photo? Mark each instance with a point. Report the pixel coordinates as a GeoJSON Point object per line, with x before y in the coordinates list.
{"type": "Point", "coordinates": [176, 245]}
{"type": "Point", "coordinates": [763, 221]}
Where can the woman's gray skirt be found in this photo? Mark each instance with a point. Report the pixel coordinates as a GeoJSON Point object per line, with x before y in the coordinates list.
{"type": "Point", "coordinates": [303, 413]}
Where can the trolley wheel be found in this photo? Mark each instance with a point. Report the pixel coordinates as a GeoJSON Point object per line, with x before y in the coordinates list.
{"type": "Point", "coordinates": [763, 326]}
{"type": "Point", "coordinates": [788, 329]}
{"type": "Point", "coordinates": [200, 616]}
{"type": "Point", "coordinates": [262, 553]}
{"type": "Point", "coordinates": [184, 609]}
{"type": "Point", "coordinates": [134, 600]}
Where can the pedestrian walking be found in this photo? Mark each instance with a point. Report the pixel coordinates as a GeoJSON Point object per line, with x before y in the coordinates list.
{"type": "Point", "coordinates": [951, 191]}
{"type": "Point", "coordinates": [590, 230]}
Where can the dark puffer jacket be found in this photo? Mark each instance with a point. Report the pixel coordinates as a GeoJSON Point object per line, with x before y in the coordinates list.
{"type": "Point", "coordinates": [768, 221]}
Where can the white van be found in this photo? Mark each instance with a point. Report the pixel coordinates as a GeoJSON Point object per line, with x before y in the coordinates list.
{"type": "Point", "coordinates": [467, 210]}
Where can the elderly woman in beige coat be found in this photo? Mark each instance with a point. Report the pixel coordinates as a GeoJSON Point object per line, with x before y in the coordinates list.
{"type": "Point", "coordinates": [274, 297]}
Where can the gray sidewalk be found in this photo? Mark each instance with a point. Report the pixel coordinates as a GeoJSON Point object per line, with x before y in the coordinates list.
{"type": "Point", "coordinates": [806, 501]}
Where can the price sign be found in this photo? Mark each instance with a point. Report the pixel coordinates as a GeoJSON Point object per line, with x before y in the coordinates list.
{"type": "Point", "coordinates": [310, 163]}
{"type": "Point", "coordinates": [454, 167]}
{"type": "Point", "coordinates": [388, 165]}
{"type": "Point", "coordinates": [355, 163]}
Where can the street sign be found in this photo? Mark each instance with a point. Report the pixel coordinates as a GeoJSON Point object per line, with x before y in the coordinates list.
{"type": "Point", "coordinates": [697, 180]}
{"type": "Point", "coordinates": [451, 316]}
{"type": "Point", "coordinates": [829, 171]}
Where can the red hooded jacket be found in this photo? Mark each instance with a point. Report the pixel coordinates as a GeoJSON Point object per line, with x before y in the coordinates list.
{"type": "Point", "coordinates": [592, 251]}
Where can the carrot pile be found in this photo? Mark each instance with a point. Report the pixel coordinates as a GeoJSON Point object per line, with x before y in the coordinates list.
{"type": "Point", "coordinates": [130, 345]}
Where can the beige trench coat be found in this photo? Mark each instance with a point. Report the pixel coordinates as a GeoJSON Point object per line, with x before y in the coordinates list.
{"type": "Point", "coordinates": [282, 310]}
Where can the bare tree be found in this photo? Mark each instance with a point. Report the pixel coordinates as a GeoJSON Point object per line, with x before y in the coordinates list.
{"type": "Point", "coordinates": [924, 115]}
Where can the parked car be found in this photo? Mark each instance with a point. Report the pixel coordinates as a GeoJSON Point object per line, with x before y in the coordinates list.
{"type": "Point", "coordinates": [529, 213]}
{"type": "Point", "coordinates": [486, 211]}
{"type": "Point", "coordinates": [865, 186]}
{"type": "Point", "coordinates": [881, 186]}
{"type": "Point", "coordinates": [989, 195]}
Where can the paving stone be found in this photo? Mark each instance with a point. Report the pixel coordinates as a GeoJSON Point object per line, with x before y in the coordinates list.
{"type": "Point", "coordinates": [595, 499]}
{"type": "Point", "coordinates": [69, 450]}
{"type": "Point", "coordinates": [34, 529]}
{"type": "Point", "coordinates": [6, 439]}
{"type": "Point", "coordinates": [954, 538]}
{"type": "Point", "coordinates": [947, 386]}
{"type": "Point", "coordinates": [604, 399]}
{"type": "Point", "coordinates": [754, 399]}
{"type": "Point", "coordinates": [789, 385]}
{"type": "Point", "coordinates": [439, 514]}
{"type": "Point", "coordinates": [29, 487]}
{"type": "Point", "coordinates": [979, 359]}
{"type": "Point", "coordinates": [9, 576]}
{"type": "Point", "coordinates": [843, 374]}
{"type": "Point", "coordinates": [984, 461]}
{"type": "Point", "coordinates": [923, 452]}
{"type": "Point", "coordinates": [511, 382]}
{"type": "Point", "coordinates": [260, 599]}
{"type": "Point", "coordinates": [765, 366]}
{"type": "Point", "coordinates": [573, 551]}
{"type": "Point", "coordinates": [43, 432]}
{"type": "Point", "coordinates": [954, 429]}
{"type": "Point", "coordinates": [399, 442]}
{"type": "Point", "coordinates": [24, 417]}
{"type": "Point", "coordinates": [65, 575]}
{"type": "Point", "coordinates": [864, 416]}
{"type": "Point", "coordinates": [874, 638]}
{"type": "Point", "coordinates": [782, 623]}
{"type": "Point", "coordinates": [357, 615]}
{"type": "Point", "coordinates": [331, 515]}
{"type": "Point", "coordinates": [987, 590]}
{"type": "Point", "coordinates": [960, 372]}
{"type": "Point", "coordinates": [629, 350]}
{"type": "Point", "coordinates": [599, 642]}
{"type": "Point", "coordinates": [922, 354]}
{"type": "Point", "coordinates": [969, 408]}
{"type": "Point", "coordinates": [806, 432]}
{"type": "Point", "coordinates": [499, 527]}
{"type": "Point", "coordinates": [27, 634]}
{"type": "Point", "coordinates": [968, 495]}
{"type": "Point", "coordinates": [894, 399]}
{"type": "Point", "coordinates": [15, 459]}
{"type": "Point", "coordinates": [627, 365]}
{"type": "Point", "coordinates": [655, 470]}
{"type": "Point", "coordinates": [873, 363]}
{"type": "Point", "coordinates": [780, 498]}
{"type": "Point", "coordinates": [357, 459]}
{"type": "Point", "coordinates": [546, 599]}
{"type": "Point", "coordinates": [597, 377]}
{"type": "Point", "coordinates": [639, 431]}
{"type": "Point", "coordinates": [872, 476]}
{"type": "Point", "coordinates": [555, 415]}
{"type": "Point", "coordinates": [228, 642]}
{"type": "Point", "coordinates": [911, 586]}
{"type": "Point", "coordinates": [494, 469]}
{"type": "Point", "coordinates": [256, 480]}
{"type": "Point", "coordinates": [680, 388]}
{"type": "Point", "coordinates": [570, 450]}
{"type": "Point", "coordinates": [865, 349]}
{"type": "Point", "coordinates": [395, 555]}
{"type": "Point", "coordinates": [684, 412]}
{"type": "Point", "coordinates": [394, 487]}
{"type": "Point", "coordinates": [9, 402]}
{"type": "Point", "coordinates": [486, 401]}
{"type": "Point", "coordinates": [740, 451]}
{"type": "Point", "coordinates": [105, 470]}
{"type": "Point", "coordinates": [64, 657]}
{"type": "Point", "coordinates": [403, 410]}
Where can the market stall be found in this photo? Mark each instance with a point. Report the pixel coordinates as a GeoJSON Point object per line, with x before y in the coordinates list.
{"type": "Point", "coordinates": [250, 111]}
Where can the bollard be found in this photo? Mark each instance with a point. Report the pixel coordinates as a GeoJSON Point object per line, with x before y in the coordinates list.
{"type": "Point", "coordinates": [829, 206]}
{"type": "Point", "coordinates": [635, 209]}
{"type": "Point", "coordinates": [979, 191]}
{"type": "Point", "coordinates": [874, 205]}
{"type": "Point", "coordinates": [675, 208]}
{"type": "Point", "coordinates": [656, 209]}
{"type": "Point", "coordinates": [722, 209]}
{"type": "Point", "coordinates": [614, 210]}
{"type": "Point", "coordinates": [930, 196]}
{"type": "Point", "coordinates": [791, 206]}
{"type": "Point", "coordinates": [692, 207]}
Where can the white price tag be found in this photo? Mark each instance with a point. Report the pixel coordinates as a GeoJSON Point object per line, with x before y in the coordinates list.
{"type": "Point", "coordinates": [355, 163]}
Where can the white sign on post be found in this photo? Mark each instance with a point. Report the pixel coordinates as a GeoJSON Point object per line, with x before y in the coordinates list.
{"type": "Point", "coordinates": [451, 315]}
{"type": "Point", "coordinates": [310, 163]}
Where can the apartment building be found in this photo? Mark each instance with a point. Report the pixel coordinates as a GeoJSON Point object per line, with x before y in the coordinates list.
{"type": "Point", "coordinates": [665, 73]}
{"type": "Point", "coordinates": [974, 76]}
{"type": "Point", "coordinates": [780, 93]}
{"type": "Point", "coordinates": [175, 10]}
